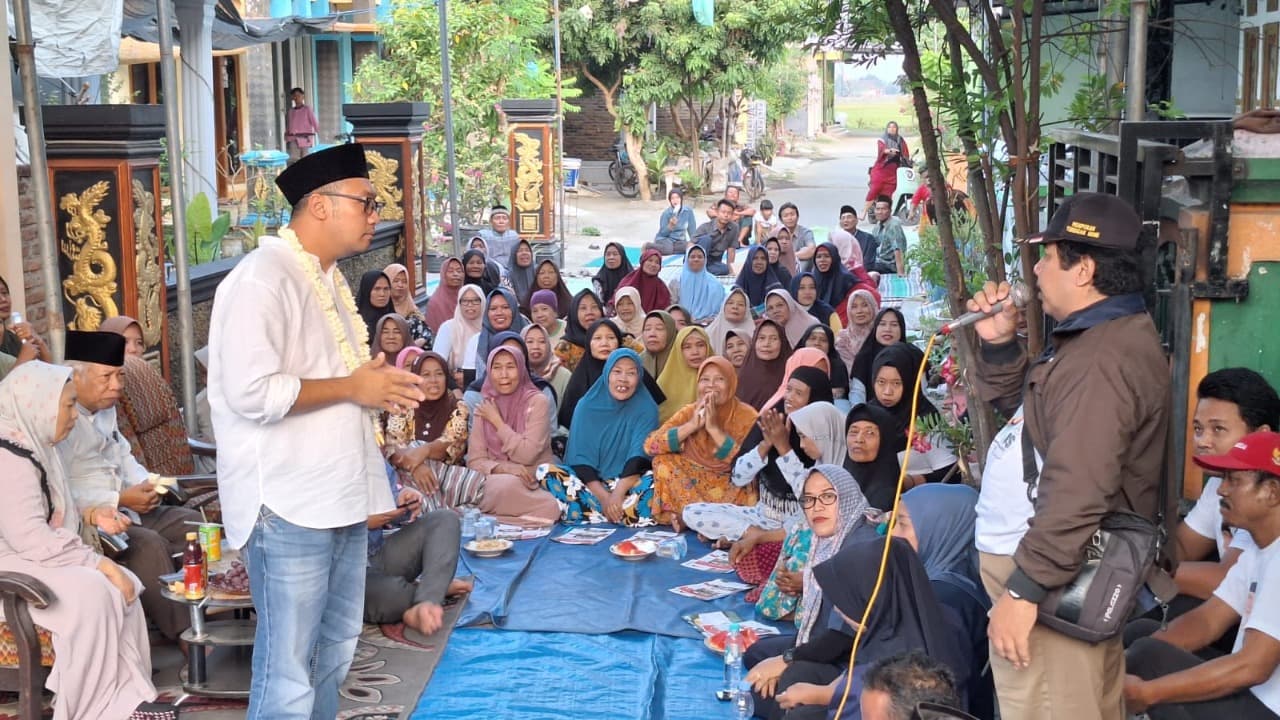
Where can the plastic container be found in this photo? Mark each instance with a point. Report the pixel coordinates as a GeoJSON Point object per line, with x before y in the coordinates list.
{"type": "Point", "coordinates": [675, 549]}
{"type": "Point", "coordinates": [733, 670]}
{"type": "Point", "coordinates": [572, 168]}
{"type": "Point", "coordinates": [469, 518]}
{"type": "Point", "coordinates": [744, 705]}
{"type": "Point", "coordinates": [194, 571]}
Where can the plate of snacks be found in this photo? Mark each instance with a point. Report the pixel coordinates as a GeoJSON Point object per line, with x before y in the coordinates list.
{"type": "Point", "coordinates": [715, 641]}
{"type": "Point", "coordinates": [491, 547]}
{"type": "Point", "coordinates": [231, 584]}
{"type": "Point", "coordinates": [634, 549]}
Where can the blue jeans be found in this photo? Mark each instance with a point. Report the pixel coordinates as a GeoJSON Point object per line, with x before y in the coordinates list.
{"type": "Point", "coordinates": [308, 589]}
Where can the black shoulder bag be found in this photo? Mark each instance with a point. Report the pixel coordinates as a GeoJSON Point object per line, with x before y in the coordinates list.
{"type": "Point", "coordinates": [1119, 561]}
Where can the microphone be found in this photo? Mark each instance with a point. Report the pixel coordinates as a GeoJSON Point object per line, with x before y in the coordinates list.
{"type": "Point", "coordinates": [1017, 296]}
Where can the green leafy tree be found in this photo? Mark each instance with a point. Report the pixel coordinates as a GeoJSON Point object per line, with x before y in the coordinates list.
{"type": "Point", "coordinates": [496, 52]}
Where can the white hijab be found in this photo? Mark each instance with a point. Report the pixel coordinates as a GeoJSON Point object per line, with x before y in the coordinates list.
{"type": "Point", "coordinates": [29, 398]}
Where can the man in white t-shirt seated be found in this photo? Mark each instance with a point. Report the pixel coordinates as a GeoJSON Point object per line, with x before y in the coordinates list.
{"type": "Point", "coordinates": [1167, 679]}
{"type": "Point", "coordinates": [1231, 403]}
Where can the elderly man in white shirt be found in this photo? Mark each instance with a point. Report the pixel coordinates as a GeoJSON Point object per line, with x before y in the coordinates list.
{"type": "Point", "coordinates": [294, 396]}
{"type": "Point", "coordinates": [111, 489]}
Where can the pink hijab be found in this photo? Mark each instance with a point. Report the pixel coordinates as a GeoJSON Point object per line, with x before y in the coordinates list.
{"type": "Point", "coordinates": [804, 357]}
{"type": "Point", "coordinates": [514, 406]}
{"type": "Point", "coordinates": [444, 300]}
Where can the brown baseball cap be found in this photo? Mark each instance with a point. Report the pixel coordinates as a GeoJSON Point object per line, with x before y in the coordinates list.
{"type": "Point", "coordinates": [1092, 219]}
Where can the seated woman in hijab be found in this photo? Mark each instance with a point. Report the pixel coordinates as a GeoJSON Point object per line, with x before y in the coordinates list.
{"type": "Point", "coordinates": [737, 346]}
{"type": "Point", "coordinates": [890, 327]}
{"type": "Point", "coordinates": [894, 376]}
{"type": "Point", "coordinates": [675, 225]}
{"type": "Point", "coordinates": [774, 247]}
{"type": "Point", "coordinates": [658, 336]}
{"type": "Point", "coordinates": [756, 278]}
{"type": "Point", "coordinates": [681, 316]}
{"type": "Point", "coordinates": [548, 277]}
{"type": "Point", "coordinates": [602, 339]}
{"type": "Point", "coordinates": [774, 458]}
{"type": "Point", "coordinates": [479, 270]}
{"type": "Point", "coordinates": [543, 364]}
{"type": "Point", "coordinates": [390, 336]}
{"type": "Point", "coordinates": [130, 330]}
{"type": "Point", "coordinates": [781, 308]}
{"type": "Point", "coordinates": [907, 616]}
{"type": "Point", "coordinates": [938, 522]}
{"type": "Point", "coordinates": [584, 311]}
{"type": "Point", "coordinates": [861, 310]}
{"type": "Point", "coordinates": [835, 282]}
{"type": "Point", "coordinates": [473, 396]}
{"type": "Point", "coordinates": [615, 267]}
{"type": "Point", "coordinates": [373, 300]}
{"type": "Point", "coordinates": [510, 438]}
{"type": "Point", "coordinates": [872, 458]}
{"type": "Point", "coordinates": [545, 311]}
{"type": "Point", "coordinates": [444, 301]}
{"type": "Point", "coordinates": [605, 476]}
{"type": "Point", "coordinates": [766, 365]}
{"type": "Point", "coordinates": [696, 289]}
{"type": "Point", "coordinates": [693, 450]}
{"type": "Point", "coordinates": [520, 273]}
{"type": "Point", "coordinates": [95, 610]}
{"type": "Point", "coordinates": [431, 460]}
{"type": "Point", "coordinates": [679, 378]}
{"type": "Point", "coordinates": [628, 314]}
{"type": "Point", "coordinates": [804, 288]}
{"type": "Point", "coordinates": [402, 300]}
{"type": "Point", "coordinates": [456, 334]}
{"type": "Point", "coordinates": [836, 512]}
{"type": "Point", "coordinates": [501, 314]}
{"type": "Point", "coordinates": [734, 316]}
{"type": "Point", "coordinates": [653, 291]}
{"type": "Point", "coordinates": [820, 337]}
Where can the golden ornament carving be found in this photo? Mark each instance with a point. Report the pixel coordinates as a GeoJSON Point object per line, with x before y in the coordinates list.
{"type": "Point", "coordinates": [419, 222]}
{"type": "Point", "coordinates": [383, 175]}
{"type": "Point", "coordinates": [147, 264]}
{"type": "Point", "coordinates": [92, 284]}
{"type": "Point", "coordinates": [528, 173]}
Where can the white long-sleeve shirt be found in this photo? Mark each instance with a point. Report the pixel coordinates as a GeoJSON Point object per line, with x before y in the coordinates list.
{"type": "Point", "coordinates": [98, 460]}
{"type": "Point", "coordinates": [319, 469]}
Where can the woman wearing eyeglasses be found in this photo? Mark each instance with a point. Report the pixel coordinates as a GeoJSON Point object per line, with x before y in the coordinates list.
{"type": "Point", "coordinates": [836, 512]}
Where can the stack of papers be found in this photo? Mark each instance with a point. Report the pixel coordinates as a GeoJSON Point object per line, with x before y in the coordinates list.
{"type": "Point", "coordinates": [584, 536]}
{"type": "Point", "coordinates": [711, 589]}
{"type": "Point", "coordinates": [716, 561]}
{"type": "Point", "coordinates": [515, 532]}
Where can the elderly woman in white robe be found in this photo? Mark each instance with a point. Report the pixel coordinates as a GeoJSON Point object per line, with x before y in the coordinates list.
{"type": "Point", "coordinates": [102, 669]}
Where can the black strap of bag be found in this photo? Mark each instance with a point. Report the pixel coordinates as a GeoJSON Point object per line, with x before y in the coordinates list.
{"type": "Point", "coordinates": [22, 452]}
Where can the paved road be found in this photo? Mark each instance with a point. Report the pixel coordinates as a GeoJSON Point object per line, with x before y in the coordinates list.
{"type": "Point", "coordinates": [834, 174]}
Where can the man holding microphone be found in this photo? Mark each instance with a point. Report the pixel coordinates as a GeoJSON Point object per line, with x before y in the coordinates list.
{"type": "Point", "coordinates": [1096, 406]}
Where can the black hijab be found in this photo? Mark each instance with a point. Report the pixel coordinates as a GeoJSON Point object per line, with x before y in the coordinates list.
{"type": "Point", "coordinates": [879, 477]}
{"type": "Point", "coordinates": [757, 285]}
{"type": "Point", "coordinates": [837, 282]}
{"type": "Point", "coordinates": [489, 279]}
{"type": "Point", "coordinates": [563, 298]}
{"type": "Point", "coordinates": [818, 309]}
{"type": "Point", "coordinates": [906, 616]}
{"type": "Point", "coordinates": [866, 356]}
{"type": "Point", "coordinates": [784, 274]}
{"type": "Point", "coordinates": [590, 369]}
{"type": "Point", "coordinates": [607, 280]}
{"type": "Point", "coordinates": [906, 359]}
{"type": "Point", "coordinates": [370, 314]}
{"type": "Point", "coordinates": [839, 371]}
{"type": "Point", "coordinates": [771, 478]}
{"type": "Point", "coordinates": [574, 332]}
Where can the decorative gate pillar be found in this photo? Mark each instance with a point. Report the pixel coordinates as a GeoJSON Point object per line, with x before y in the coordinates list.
{"type": "Point", "coordinates": [104, 167]}
{"type": "Point", "coordinates": [531, 161]}
{"type": "Point", "coordinates": [392, 137]}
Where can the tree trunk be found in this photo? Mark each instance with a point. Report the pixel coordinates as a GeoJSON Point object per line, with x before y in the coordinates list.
{"type": "Point", "coordinates": [957, 294]}
{"type": "Point", "coordinates": [692, 137]}
{"type": "Point", "coordinates": [1026, 180]}
{"type": "Point", "coordinates": [632, 141]}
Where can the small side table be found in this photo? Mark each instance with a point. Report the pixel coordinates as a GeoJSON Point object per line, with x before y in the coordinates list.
{"type": "Point", "coordinates": [227, 671]}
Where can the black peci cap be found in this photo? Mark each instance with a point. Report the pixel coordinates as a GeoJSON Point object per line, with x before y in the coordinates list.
{"type": "Point", "coordinates": [318, 169]}
{"type": "Point", "coordinates": [102, 348]}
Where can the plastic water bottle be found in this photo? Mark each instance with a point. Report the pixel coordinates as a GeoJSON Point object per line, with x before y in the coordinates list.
{"type": "Point", "coordinates": [733, 672]}
{"type": "Point", "coordinates": [744, 706]}
{"type": "Point", "coordinates": [469, 518]}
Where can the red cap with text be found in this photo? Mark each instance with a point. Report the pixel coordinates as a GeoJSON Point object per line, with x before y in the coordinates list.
{"type": "Point", "coordinates": [1257, 451]}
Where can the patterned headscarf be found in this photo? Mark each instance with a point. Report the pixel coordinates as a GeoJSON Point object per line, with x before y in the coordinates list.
{"type": "Point", "coordinates": [851, 509]}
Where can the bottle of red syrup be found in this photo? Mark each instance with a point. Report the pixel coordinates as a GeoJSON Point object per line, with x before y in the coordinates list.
{"type": "Point", "coordinates": [194, 577]}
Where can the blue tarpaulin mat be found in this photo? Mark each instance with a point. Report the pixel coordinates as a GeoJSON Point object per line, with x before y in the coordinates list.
{"type": "Point", "coordinates": [532, 676]}
{"type": "Point", "coordinates": [552, 587]}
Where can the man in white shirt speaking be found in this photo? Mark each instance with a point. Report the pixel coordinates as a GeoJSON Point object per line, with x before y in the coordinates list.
{"type": "Point", "coordinates": [294, 397]}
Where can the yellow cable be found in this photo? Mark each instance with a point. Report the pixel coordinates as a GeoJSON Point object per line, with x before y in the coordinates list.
{"type": "Point", "coordinates": [893, 519]}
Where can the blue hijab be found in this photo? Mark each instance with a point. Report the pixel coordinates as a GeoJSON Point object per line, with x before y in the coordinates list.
{"type": "Point", "coordinates": [700, 292]}
{"type": "Point", "coordinates": [943, 517]}
{"type": "Point", "coordinates": [619, 428]}
{"type": "Point", "coordinates": [487, 331]}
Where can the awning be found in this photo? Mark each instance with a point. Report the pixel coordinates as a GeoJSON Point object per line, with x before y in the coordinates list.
{"type": "Point", "coordinates": [230, 30]}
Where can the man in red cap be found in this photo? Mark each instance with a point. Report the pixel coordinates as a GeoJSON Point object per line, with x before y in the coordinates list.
{"type": "Point", "coordinates": [1167, 678]}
